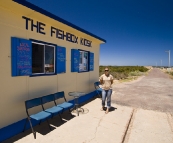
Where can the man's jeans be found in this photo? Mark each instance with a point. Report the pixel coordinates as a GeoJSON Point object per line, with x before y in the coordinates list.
{"type": "Point", "coordinates": [106, 94]}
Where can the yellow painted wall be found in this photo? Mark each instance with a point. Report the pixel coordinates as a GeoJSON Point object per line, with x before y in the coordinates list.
{"type": "Point", "coordinates": [15, 90]}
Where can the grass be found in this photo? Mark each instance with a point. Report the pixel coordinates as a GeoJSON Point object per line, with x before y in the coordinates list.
{"type": "Point", "coordinates": [129, 79]}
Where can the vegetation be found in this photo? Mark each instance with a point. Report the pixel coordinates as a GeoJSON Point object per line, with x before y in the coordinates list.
{"type": "Point", "coordinates": [170, 73]}
{"type": "Point", "coordinates": [124, 72]}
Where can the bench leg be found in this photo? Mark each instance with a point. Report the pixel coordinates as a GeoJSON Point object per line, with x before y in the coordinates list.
{"type": "Point", "coordinates": [62, 111]}
{"type": "Point", "coordinates": [39, 122]}
{"type": "Point", "coordinates": [70, 112]}
{"type": "Point", "coordinates": [52, 116]}
{"type": "Point", "coordinates": [34, 133]}
{"type": "Point", "coordinates": [60, 117]}
{"type": "Point", "coordinates": [48, 124]}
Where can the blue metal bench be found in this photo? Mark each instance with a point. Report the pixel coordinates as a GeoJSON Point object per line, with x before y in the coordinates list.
{"type": "Point", "coordinates": [65, 105]}
{"type": "Point", "coordinates": [98, 89]}
{"type": "Point", "coordinates": [45, 114]}
{"type": "Point", "coordinates": [55, 110]}
{"type": "Point", "coordinates": [40, 116]}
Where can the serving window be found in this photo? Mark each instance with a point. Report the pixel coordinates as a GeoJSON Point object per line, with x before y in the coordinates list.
{"type": "Point", "coordinates": [43, 58]}
{"type": "Point", "coordinates": [36, 58]}
{"type": "Point", "coordinates": [83, 62]}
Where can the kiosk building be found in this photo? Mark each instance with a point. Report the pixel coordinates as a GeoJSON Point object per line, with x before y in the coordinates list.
{"type": "Point", "coordinates": [41, 54]}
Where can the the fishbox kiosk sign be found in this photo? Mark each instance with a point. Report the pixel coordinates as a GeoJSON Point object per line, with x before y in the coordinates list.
{"type": "Point", "coordinates": [58, 33]}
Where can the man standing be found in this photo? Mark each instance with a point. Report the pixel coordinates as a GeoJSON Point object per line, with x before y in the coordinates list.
{"type": "Point", "coordinates": [106, 80]}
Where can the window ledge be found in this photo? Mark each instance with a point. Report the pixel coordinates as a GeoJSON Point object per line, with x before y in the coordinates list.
{"type": "Point", "coordinates": [82, 71]}
{"type": "Point", "coordinates": [42, 75]}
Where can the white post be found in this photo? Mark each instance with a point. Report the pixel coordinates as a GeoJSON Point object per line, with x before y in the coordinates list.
{"type": "Point", "coordinates": [169, 58]}
{"type": "Point", "coordinates": [169, 54]}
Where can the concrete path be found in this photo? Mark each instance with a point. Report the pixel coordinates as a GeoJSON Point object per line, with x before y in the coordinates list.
{"type": "Point", "coordinates": [150, 127]}
{"type": "Point", "coordinates": [93, 127]}
{"type": "Point", "coordinates": [123, 124]}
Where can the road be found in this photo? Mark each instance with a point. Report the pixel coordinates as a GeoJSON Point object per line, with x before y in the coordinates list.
{"type": "Point", "coordinates": [152, 92]}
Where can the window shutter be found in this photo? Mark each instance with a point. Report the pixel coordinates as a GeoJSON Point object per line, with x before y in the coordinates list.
{"type": "Point", "coordinates": [21, 57]}
{"type": "Point", "coordinates": [60, 60]}
{"type": "Point", "coordinates": [91, 61]}
{"type": "Point", "coordinates": [74, 60]}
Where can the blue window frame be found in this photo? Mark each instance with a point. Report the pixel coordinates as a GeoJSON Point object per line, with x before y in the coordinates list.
{"type": "Point", "coordinates": [82, 61]}
{"type": "Point", "coordinates": [36, 58]}
{"type": "Point", "coordinates": [43, 58]}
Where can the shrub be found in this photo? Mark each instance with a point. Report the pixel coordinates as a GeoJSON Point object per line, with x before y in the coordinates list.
{"type": "Point", "coordinates": [171, 73]}
{"type": "Point", "coordinates": [121, 72]}
{"type": "Point", "coordinates": [135, 73]}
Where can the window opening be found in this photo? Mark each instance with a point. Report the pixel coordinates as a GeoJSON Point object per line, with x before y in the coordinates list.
{"type": "Point", "coordinates": [83, 64]}
{"type": "Point", "coordinates": [43, 58]}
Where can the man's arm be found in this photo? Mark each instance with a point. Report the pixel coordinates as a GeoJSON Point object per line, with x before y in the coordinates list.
{"type": "Point", "coordinates": [101, 80]}
{"type": "Point", "coordinates": [112, 80]}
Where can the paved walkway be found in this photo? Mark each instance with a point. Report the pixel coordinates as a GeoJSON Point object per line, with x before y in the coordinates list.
{"type": "Point", "coordinates": [131, 123]}
{"type": "Point", "coordinates": [121, 125]}
{"type": "Point", "coordinates": [93, 127]}
{"type": "Point", "coordinates": [150, 127]}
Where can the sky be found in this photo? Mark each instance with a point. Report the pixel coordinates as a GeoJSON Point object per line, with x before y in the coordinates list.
{"type": "Point", "coordinates": [137, 32]}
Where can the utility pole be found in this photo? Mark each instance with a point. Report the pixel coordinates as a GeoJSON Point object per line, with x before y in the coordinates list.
{"type": "Point", "coordinates": [169, 54]}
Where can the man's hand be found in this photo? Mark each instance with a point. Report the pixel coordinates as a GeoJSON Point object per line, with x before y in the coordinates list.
{"type": "Point", "coordinates": [112, 81]}
{"type": "Point", "coordinates": [101, 81]}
